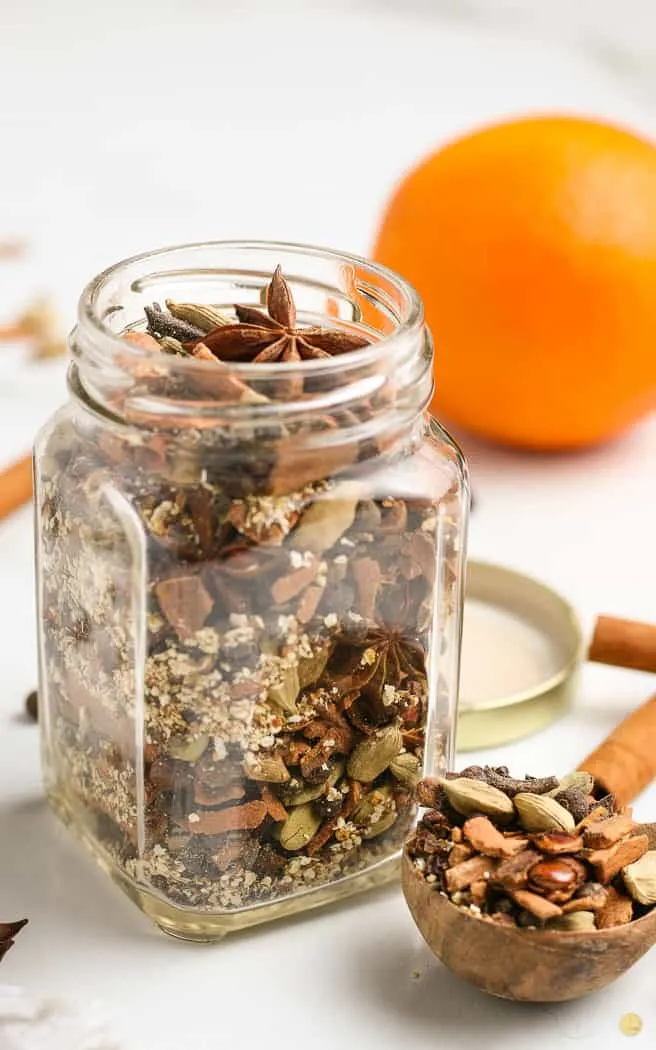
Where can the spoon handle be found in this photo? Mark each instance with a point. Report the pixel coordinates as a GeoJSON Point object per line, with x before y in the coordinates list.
{"type": "Point", "coordinates": [624, 643]}
{"type": "Point", "coordinates": [625, 763]}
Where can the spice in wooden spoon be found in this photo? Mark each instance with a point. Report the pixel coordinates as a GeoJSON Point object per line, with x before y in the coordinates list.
{"type": "Point", "coordinates": [528, 890]}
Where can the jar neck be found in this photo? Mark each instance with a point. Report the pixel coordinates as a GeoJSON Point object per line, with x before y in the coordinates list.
{"type": "Point", "coordinates": [332, 411]}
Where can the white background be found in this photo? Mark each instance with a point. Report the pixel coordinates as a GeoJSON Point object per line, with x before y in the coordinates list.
{"type": "Point", "coordinates": [128, 126]}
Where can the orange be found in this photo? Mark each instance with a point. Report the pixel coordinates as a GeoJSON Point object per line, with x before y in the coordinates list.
{"type": "Point", "coordinates": [533, 246]}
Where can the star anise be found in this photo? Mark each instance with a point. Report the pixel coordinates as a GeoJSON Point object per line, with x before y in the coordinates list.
{"type": "Point", "coordinates": [8, 931]}
{"type": "Point", "coordinates": [381, 657]}
{"type": "Point", "coordinates": [274, 336]}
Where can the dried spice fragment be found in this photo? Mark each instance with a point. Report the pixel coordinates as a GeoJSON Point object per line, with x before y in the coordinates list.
{"type": "Point", "coordinates": [548, 880]}
{"type": "Point", "coordinates": [32, 706]}
{"type": "Point", "coordinates": [604, 833]}
{"type": "Point", "coordinates": [607, 863]}
{"type": "Point", "coordinates": [557, 878]}
{"type": "Point", "coordinates": [323, 523]}
{"type": "Point", "coordinates": [487, 839]}
{"type": "Point", "coordinates": [538, 906]}
{"type": "Point", "coordinates": [185, 602]}
{"type": "Point", "coordinates": [514, 872]}
{"type": "Point", "coordinates": [462, 875]}
{"type": "Point", "coordinates": [236, 818]}
{"type": "Point", "coordinates": [617, 911]}
{"type": "Point", "coordinates": [8, 932]}
{"type": "Point", "coordinates": [558, 842]}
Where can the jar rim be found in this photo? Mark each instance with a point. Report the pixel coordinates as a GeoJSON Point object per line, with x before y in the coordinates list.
{"type": "Point", "coordinates": [409, 326]}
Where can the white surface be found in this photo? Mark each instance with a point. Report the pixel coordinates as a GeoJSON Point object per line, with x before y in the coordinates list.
{"type": "Point", "coordinates": [136, 125]}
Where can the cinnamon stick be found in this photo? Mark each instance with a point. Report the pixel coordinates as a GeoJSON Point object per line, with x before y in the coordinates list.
{"type": "Point", "coordinates": [625, 763]}
{"type": "Point", "coordinates": [15, 486]}
{"type": "Point", "coordinates": [624, 643]}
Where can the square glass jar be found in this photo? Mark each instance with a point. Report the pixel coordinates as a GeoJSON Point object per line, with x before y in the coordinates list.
{"type": "Point", "coordinates": [250, 584]}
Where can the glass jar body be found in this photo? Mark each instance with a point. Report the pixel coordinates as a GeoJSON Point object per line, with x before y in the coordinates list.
{"type": "Point", "coordinates": [239, 689]}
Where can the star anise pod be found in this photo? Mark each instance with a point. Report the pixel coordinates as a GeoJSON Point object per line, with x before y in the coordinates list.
{"type": "Point", "coordinates": [8, 931]}
{"type": "Point", "coordinates": [274, 336]}
{"type": "Point", "coordinates": [381, 657]}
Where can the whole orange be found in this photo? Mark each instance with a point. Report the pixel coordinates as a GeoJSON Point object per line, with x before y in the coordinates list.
{"type": "Point", "coordinates": [533, 246]}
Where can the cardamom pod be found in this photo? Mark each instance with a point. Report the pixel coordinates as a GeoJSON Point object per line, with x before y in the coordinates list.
{"type": "Point", "coordinates": [202, 315]}
{"type": "Point", "coordinates": [406, 768]}
{"type": "Point", "coordinates": [374, 802]}
{"type": "Point", "coordinates": [323, 523]}
{"type": "Point", "coordinates": [382, 825]}
{"type": "Point", "coordinates": [373, 755]}
{"type": "Point", "coordinates": [468, 797]}
{"type": "Point", "coordinates": [575, 922]}
{"type": "Point", "coordinates": [583, 782]}
{"type": "Point", "coordinates": [541, 813]}
{"type": "Point", "coordinates": [640, 878]}
{"type": "Point", "coordinates": [300, 828]}
{"type": "Point", "coordinates": [172, 346]}
{"type": "Point", "coordinates": [188, 749]}
{"type": "Point", "coordinates": [266, 769]}
{"type": "Point", "coordinates": [284, 692]}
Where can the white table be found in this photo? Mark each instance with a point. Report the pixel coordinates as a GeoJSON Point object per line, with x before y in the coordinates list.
{"type": "Point", "coordinates": [125, 127]}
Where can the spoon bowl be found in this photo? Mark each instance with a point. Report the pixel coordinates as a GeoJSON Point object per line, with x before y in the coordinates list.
{"type": "Point", "coordinates": [537, 966]}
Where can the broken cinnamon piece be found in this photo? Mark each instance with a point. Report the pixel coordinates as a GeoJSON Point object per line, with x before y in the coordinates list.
{"type": "Point", "coordinates": [462, 875]}
{"type": "Point", "coordinates": [309, 603]}
{"type": "Point", "coordinates": [617, 911]}
{"type": "Point", "coordinates": [275, 807]}
{"type": "Point", "coordinates": [487, 839]}
{"type": "Point", "coordinates": [608, 862]}
{"type": "Point", "coordinates": [185, 603]}
{"type": "Point", "coordinates": [143, 340]}
{"type": "Point", "coordinates": [598, 813]}
{"type": "Point", "coordinates": [592, 897]}
{"type": "Point", "coordinates": [205, 796]}
{"type": "Point", "coordinates": [367, 576]}
{"type": "Point", "coordinates": [513, 873]}
{"type": "Point", "coordinates": [287, 587]}
{"type": "Point", "coordinates": [557, 842]}
{"type": "Point", "coordinates": [604, 833]}
{"type": "Point", "coordinates": [536, 905]}
{"type": "Point", "coordinates": [236, 818]}
{"type": "Point", "coordinates": [429, 793]}
{"type": "Point", "coordinates": [459, 853]}
{"type": "Point", "coordinates": [478, 891]}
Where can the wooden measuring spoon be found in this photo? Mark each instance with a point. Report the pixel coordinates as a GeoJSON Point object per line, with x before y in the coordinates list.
{"type": "Point", "coordinates": [546, 965]}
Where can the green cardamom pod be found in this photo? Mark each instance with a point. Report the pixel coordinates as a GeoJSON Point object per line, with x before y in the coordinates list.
{"type": "Point", "coordinates": [382, 825]}
{"type": "Point", "coordinates": [468, 796]}
{"type": "Point", "coordinates": [541, 813]}
{"type": "Point", "coordinates": [373, 755]}
{"type": "Point", "coordinates": [284, 692]}
{"type": "Point", "coordinates": [640, 878]}
{"type": "Point", "coordinates": [406, 768]}
{"type": "Point", "coordinates": [583, 782]}
{"type": "Point", "coordinates": [172, 346]}
{"type": "Point", "coordinates": [575, 922]}
{"type": "Point", "coordinates": [202, 315]}
{"type": "Point", "coordinates": [300, 828]}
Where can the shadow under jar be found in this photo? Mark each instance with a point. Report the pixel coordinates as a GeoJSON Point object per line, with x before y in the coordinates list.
{"type": "Point", "coordinates": [249, 590]}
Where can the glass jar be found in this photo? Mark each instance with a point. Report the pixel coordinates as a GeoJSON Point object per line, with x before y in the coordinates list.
{"type": "Point", "coordinates": [249, 591]}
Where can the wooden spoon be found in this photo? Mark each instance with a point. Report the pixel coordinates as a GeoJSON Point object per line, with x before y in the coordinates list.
{"type": "Point", "coordinates": [537, 966]}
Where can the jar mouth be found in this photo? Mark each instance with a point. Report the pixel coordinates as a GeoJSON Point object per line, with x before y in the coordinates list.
{"type": "Point", "coordinates": [395, 300]}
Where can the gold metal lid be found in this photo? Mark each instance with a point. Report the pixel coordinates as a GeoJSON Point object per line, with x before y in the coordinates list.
{"type": "Point", "coordinates": [522, 647]}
